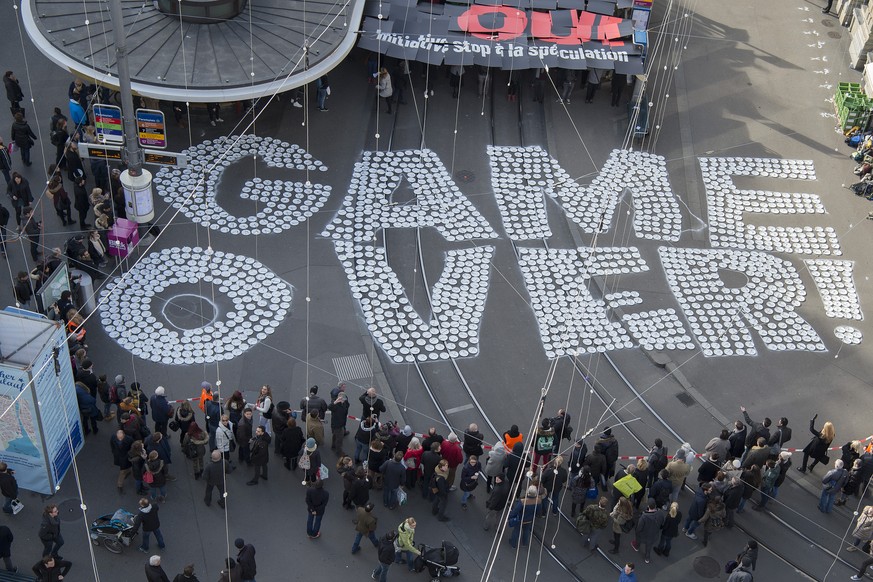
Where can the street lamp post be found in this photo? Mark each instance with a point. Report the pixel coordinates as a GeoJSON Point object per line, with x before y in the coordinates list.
{"type": "Point", "coordinates": [136, 180]}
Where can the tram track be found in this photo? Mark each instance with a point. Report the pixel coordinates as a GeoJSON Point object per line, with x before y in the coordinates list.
{"type": "Point", "coordinates": [594, 383]}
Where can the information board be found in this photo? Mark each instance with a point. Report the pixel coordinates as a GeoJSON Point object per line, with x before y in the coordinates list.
{"type": "Point", "coordinates": [151, 128]}
{"type": "Point", "coordinates": [107, 122]}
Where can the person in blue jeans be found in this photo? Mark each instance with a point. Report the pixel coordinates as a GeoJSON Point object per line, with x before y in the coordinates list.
{"type": "Point", "coordinates": [365, 525]}
{"type": "Point", "coordinates": [8, 486]}
{"type": "Point", "coordinates": [406, 543]}
{"type": "Point", "coordinates": [316, 502]}
{"type": "Point", "coordinates": [522, 516]}
{"type": "Point", "coordinates": [386, 556]}
{"type": "Point", "coordinates": [832, 482]}
{"type": "Point", "coordinates": [697, 509]}
{"type": "Point", "coordinates": [147, 518]}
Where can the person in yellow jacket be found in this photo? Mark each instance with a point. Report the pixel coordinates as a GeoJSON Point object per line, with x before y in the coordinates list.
{"type": "Point", "coordinates": [406, 543]}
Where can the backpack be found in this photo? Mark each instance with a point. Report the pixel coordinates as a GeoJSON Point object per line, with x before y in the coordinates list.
{"type": "Point", "coordinates": [583, 525]}
{"type": "Point", "coordinates": [545, 442]}
{"type": "Point", "coordinates": [303, 462]}
{"type": "Point", "coordinates": [117, 393]}
{"type": "Point", "coordinates": [190, 449]}
{"type": "Point", "coordinates": [54, 137]}
{"type": "Point", "coordinates": [269, 414]}
{"type": "Point", "coordinates": [657, 461]}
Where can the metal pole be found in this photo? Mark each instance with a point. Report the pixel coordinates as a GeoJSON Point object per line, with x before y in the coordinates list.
{"type": "Point", "coordinates": [133, 154]}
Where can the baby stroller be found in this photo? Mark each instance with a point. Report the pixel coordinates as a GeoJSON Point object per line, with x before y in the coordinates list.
{"type": "Point", "coordinates": [113, 531]}
{"type": "Point", "coordinates": [440, 562]}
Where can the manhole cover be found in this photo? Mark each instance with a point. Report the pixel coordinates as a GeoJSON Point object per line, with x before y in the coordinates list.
{"type": "Point", "coordinates": [465, 176]}
{"type": "Point", "coordinates": [827, 23]}
{"type": "Point", "coordinates": [834, 34]}
{"type": "Point", "coordinates": [69, 510]}
{"type": "Point", "coordinates": [707, 567]}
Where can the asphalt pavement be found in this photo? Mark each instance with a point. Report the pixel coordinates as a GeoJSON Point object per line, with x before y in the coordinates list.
{"type": "Point", "coordinates": [751, 81]}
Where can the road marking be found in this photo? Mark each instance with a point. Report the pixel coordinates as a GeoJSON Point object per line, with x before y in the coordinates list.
{"type": "Point", "coordinates": [459, 409]}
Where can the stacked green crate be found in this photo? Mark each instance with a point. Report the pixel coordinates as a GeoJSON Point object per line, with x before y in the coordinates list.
{"type": "Point", "coordinates": [853, 107]}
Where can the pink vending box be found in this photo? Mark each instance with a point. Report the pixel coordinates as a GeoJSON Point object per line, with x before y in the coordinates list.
{"type": "Point", "coordinates": [123, 236]}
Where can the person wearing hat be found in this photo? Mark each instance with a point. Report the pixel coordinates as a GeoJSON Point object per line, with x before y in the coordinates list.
{"type": "Point", "coordinates": [401, 443]}
{"type": "Point", "coordinates": [386, 556]}
{"type": "Point", "coordinates": [316, 503]}
{"type": "Point", "coordinates": [246, 560]}
{"type": "Point", "coordinates": [205, 394]}
{"type": "Point", "coordinates": [310, 460]}
{"type": "Point", "coordinates": [521, 517]}
{"type": "Point", "coordinates": [117, 393]}
{"type": "Point", "coordinates": [339, 414]}
{"type": "Point", "coordinates": [314, 402]}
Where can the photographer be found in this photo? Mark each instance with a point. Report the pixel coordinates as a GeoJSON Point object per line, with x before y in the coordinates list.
{"type": "Point", "coordinates": [8, 486]}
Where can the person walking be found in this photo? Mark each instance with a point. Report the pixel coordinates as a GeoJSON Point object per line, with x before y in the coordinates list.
{"type": "Point", "coordinates": [50, 532]}
{"type": "Point", "coordinates": [156, 476]}
{"type": "Point", "coordinates": [316, 503]}
{"type": "Point", "coordinates": [827, 7]}
{"type": "Point", "coordinates": [213, 475]}
{"type": "Point", "coordinates": [864, 565]}
{"type": "Point", "coordinates": [696, 511]}
{"type": "Point", "coordinates": [522, 515]}
{"type": "Point", "coordinates": [147, 518]}
{"type": "Point", "coordinates": [153, 570]}
{"type": "Point", "coordinates": [832, 483]}
{"type": "Point", "coordinates": [120, 445]}
{"type": "Point", "coordinates": [405, 544]}
{"type": "Point", "coordinates": [386, 556]}
{"type": "Point", "coordinates": [214, 110]}
{"type": "Point", "coordinates": [260, 455]}
{"type": "Point", "coordinates": [818, 445]}
{"type": "Point", "coordinates": [383, 86]}
{"type": "Point", "coordinates": [863, 531]}
{"type": "Point", "coordinates": [23, 137]}
{"type": "Point", "coordinates": [594, 76]}
{"type": "Point", "coordinates": [648, 529]}
{"type": "Point", "coordinates": [365, 526]}
{"type": "Point", "coordinates": [245, 558]}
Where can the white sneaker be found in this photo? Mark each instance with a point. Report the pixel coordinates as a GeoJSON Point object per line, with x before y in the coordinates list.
{"type": "Point", "coordinates": [692, 536]}
{"type": "Point", "coordinates": [212, 123]}
{"type": "Point", "coordinates": [220, 120]}
{"type": "Point", "coordinates": [855, 577]}
{"type": "Point", "coordinates": [297, 104]}
{"type": "Point", "coordinates": [851, 549]}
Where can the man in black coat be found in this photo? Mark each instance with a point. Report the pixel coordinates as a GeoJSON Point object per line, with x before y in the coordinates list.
{"type": "Point", "coordinates": [314, 402]}
{"type": "Point", "coordinates": [316, 504]}
{"type": "Point", "coordinates": [372, 404]}
{"type": "Point", "coordinates": [429, 460]}
{"type": "Point", "coordinates": [6, 538]}
{"type": "Point", "coordinates": [733, 495]}
{"type": "Point", "coordinates": [779, 437]}
{"type": "Point", "coordinates": [120, 444]}
{"type": "Point", "coordinates": [51, 569]}
{"type": "Point", "coordinates": [562, 428]}
{"type": "Point", "coordinates": [473, 442]}
{"type": "Point", "coordinates": [246, 560]}
{"type": "Point", "coordinates": [757, 430]}
{"type": "Point", "coordinates": [260, 455]}
{"type": "Point", "coordinates": [154, 572]}
{"type": "Point", "coordinates": [339, 414]}
{"type": "Point", "coordinates": [8, 486]}
{"type": "Point", "coordinates": [386, 556]}
{"type": "Point", "coordinates": [147, 518]}
{"type": "Point", "coordinates": [85, 374]}
{"type": "Point", "coordinates": [496, 502]}
{"type": "Point", "coordinates": [737, 440]}
{"type": "Point", "coordinates": [213, 475]}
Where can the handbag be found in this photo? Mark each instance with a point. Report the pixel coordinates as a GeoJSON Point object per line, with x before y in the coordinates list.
{"type": "Point", "coordinates": [303, 462]}
{"type": "Point", "coordinates": [323, 472]}
{"type": "Point", "coordinates": [730, 566]}
{"type": "Point", "coordinates": [401, 497]}
{"type": "Point", "coordinates": [410, 463]}
{"type": "Point", "coordinates": [514, 521]}
{"type": "Point", "coordinates": [17, 506]}
{"type": "Point", "coordinates": [148, 477]}
{"type": "Point", "coordinates": [627, 526]}
{"type": "Point", "coordinates": [591, 493]}
{"type": "Point", "coordinates": [173, 425]}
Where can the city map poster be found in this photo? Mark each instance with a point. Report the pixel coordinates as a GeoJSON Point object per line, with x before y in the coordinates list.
{"type": "Point", "coordinates": [20, 439]}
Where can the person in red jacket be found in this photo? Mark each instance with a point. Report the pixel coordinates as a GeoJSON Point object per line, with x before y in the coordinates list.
{"type": "Point", "coordinates": [452, 453]}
